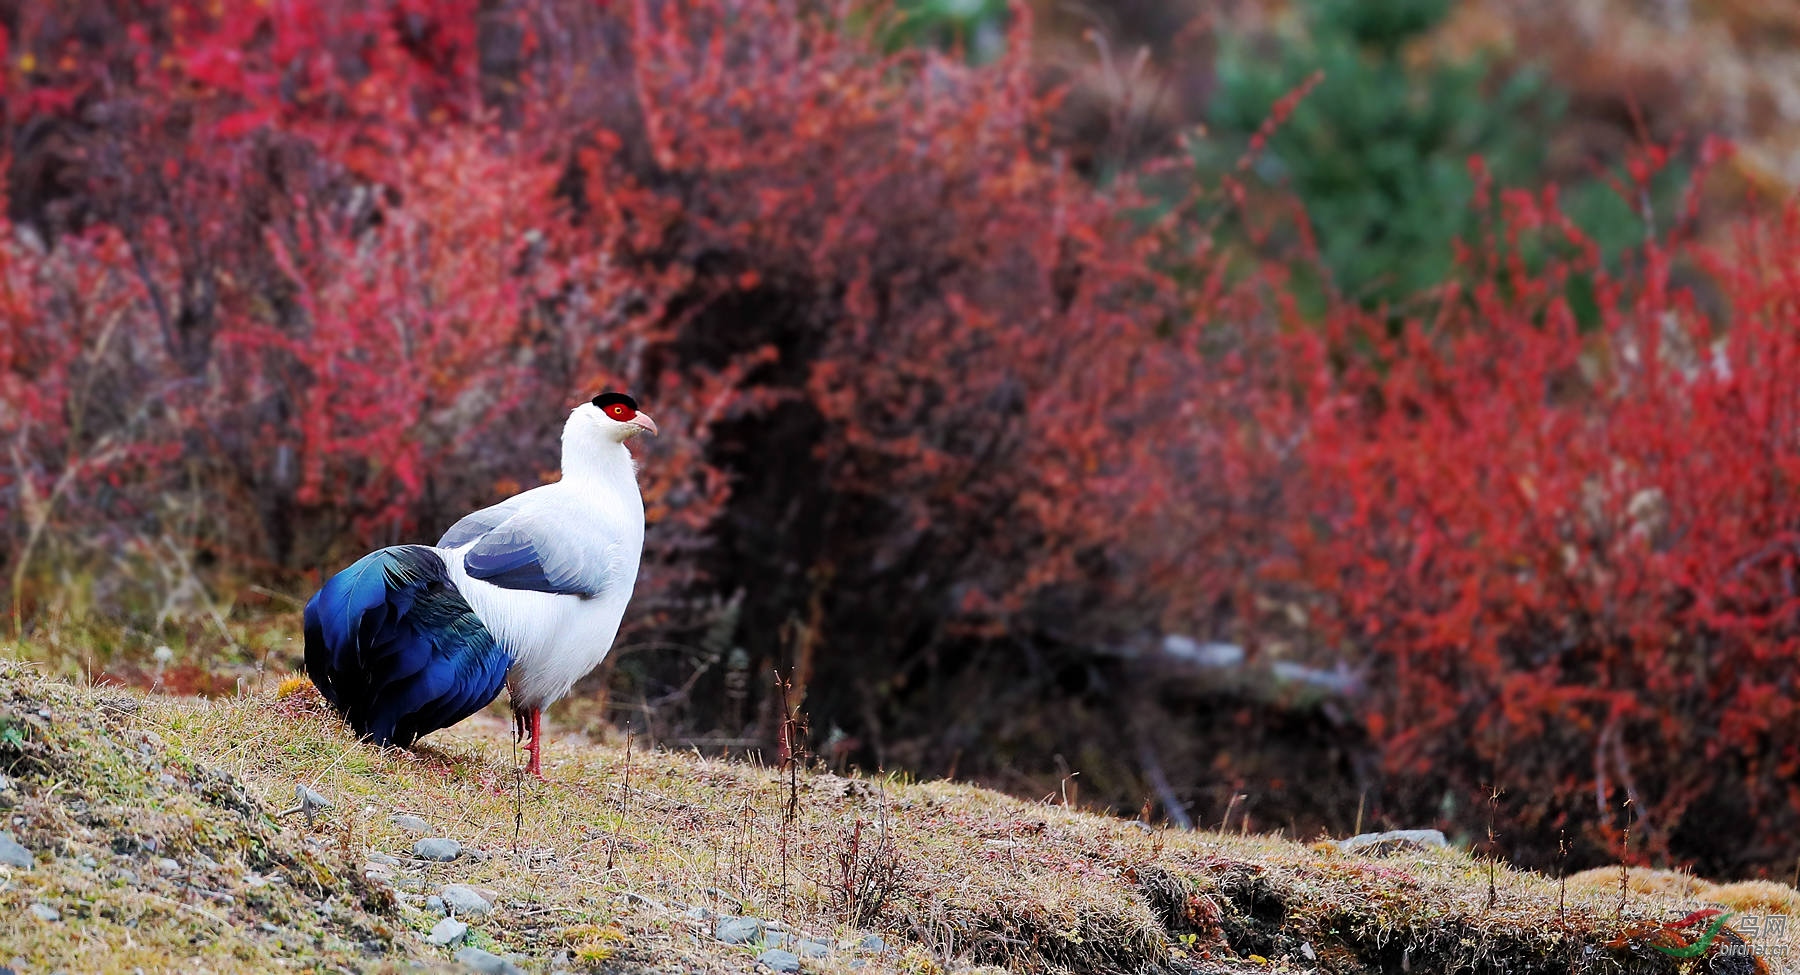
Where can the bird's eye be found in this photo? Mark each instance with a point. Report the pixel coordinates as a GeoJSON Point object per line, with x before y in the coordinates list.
{"type": "Point", "coordinates": [619, 411]}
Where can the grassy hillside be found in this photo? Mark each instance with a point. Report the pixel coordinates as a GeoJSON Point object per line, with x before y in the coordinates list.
{"type": "Point", "coordinates": [162, 838]}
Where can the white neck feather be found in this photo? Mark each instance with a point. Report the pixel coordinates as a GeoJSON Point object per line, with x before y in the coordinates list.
{"type": "Point", "coordinates": [589, 456]}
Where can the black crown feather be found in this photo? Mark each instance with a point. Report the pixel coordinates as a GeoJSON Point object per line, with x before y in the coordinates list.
{"type": "Point", "coordinates": [607, 399]}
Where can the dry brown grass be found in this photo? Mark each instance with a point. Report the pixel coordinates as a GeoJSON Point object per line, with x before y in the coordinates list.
{"type": "Point", "coordinates": [951, 875]}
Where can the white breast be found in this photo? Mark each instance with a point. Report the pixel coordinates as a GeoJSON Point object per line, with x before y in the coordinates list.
{"type": "Point", "coordinates": [556, 639]}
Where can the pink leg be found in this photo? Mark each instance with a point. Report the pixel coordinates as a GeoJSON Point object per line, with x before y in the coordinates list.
{"type": "Point", "coordinates": [537, 736]}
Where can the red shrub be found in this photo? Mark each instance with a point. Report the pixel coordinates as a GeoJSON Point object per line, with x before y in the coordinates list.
{"type": "Point", "coordinates": [277, 295]}
{"type": "Point", "coordinates": [1565, 548]}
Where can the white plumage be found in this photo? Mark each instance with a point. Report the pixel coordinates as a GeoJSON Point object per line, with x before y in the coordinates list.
{"type": "Point", "coordinates": [556, 638]}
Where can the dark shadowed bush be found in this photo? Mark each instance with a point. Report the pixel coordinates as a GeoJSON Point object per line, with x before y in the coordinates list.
{"type": "Point", "coordinates": [337, 271]}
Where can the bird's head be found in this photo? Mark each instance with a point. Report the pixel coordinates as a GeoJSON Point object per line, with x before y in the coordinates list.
{"type": "Point", "coordinates": [614, 417]}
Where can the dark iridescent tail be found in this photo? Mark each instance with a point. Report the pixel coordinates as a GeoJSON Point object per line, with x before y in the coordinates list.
{"type": "Point", "coordinates": [397, 650]}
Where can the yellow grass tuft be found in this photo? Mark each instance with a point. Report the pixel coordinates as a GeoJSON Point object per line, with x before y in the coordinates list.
{"type": "Point", "coordinates": [1758, 897]}
{"type": "Point", "coordinates": [294, 685]}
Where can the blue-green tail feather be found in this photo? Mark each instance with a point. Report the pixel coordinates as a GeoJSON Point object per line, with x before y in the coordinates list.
{"type": "Point", "coordinates": [396, 649]}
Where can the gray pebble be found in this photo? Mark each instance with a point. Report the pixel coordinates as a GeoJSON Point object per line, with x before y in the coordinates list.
{"type": "Point", "coordinates": [45, 912]}
{"type": "Point", "coordinates": [128, 876]}
{"type": "Point", "coordinates": [487, 963]}
{"type": "Point", "coordinates": [872, 942]}
{"type": "Point", "coordinates": [167, 779]}
{"type": "Point", "coordinates": [447, 932]}
{"type": "Point", "coordinates": [412, 824]}
{"type": "Point", "coordinates": [465, 901]}
{"type": "Point", "coordinates": [813, 949]}
{"type": "Point", "coordinates": [87, 861]}
{"type": "Point", "coordinates": [738, 930]}
{"type": "Point", "coordinates": [165, 866]}
{"type": "Point", "coordinates": [384, 859]}
{"type": "Point", "coordinates": [438, 848]}
{"type": "Point", "coordinates": [268, 928]}
{"type": "Point", "coordinates": [434, 903]}
{"type": "Point", "coordinates": [700, 914]}
{"type": "Point", "coordinates": [780, 960]}
{"type": "Point", "coordinates": [14, 855]}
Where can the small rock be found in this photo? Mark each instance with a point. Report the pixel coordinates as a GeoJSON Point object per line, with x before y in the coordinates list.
{"type": "Point", "coordinates": [310, 802]}
{"type": "Point", "coordinates": [700, 914]}
{"type": "Point", "coordinates": [167, 866]}
{"type": "Point", "coordinates": [167, 779]}
{"type": "Point", "coordinates": [45, 912]}
{"type": "Point", "coordinates": [812, 949]}
{"type": "Point", "coordinates": [87, 861]}
{"type": "Point", "coordinates": [487, 963]}
{"type": "Point", "coordinates": [384, 859]}
{"type": "Point", "coordinates": [649, 902]}
{"type": "Point", "coordinates": [440, 848]}
{"type": "Point", "coordinates": [872, 943]}
{"type": "Point", "coordinates": [1393, 841]}
{"type": "Point", "coordinates": [14, 855]}
{"type": "Point", "coordinates": [268, 928]}
{"type": "Point", "coordinates": [447, 932]}
{"type": "Point", "coordinates": [780, 960]}
{"type": "Point", "coordinates": [128, 876]}
{"type": "Point", "coordinates": [412, 824]}
{"type": "Point", "coordinates": [738, 930]}
{"type": "Point", "coordinates": [434, 903]}
{"type": "Point", "coordinates": [466, 901]}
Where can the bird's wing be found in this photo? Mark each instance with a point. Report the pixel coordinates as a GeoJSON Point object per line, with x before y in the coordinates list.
{"type": "Point", "coordinates": [542, 548]}
{"type": "Point", "coordinates": [475, 525]}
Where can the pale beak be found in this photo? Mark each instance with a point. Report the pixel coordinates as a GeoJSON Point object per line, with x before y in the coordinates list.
{"type": "Point", "coordinates": [643, 422]}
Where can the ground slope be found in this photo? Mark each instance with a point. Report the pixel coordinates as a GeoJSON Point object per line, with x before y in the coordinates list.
{"type": "Point", "coordinates": [160, 837]}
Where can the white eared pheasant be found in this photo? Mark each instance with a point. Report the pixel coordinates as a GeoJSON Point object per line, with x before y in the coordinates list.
{"type": "Point", "coordinates": [527, 593]}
